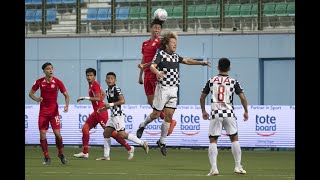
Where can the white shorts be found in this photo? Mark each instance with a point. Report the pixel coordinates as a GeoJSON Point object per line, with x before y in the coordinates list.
{"type": "Point", "coordinates": [117, 122]}
{"type": "Point", "coordinates": [216, 124]}
{"type": "Point", "coordinates": [165, 96]}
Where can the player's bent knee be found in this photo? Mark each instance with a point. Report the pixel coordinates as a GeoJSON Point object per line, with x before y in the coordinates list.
{"type": "Point", "coordinates": [123, 134]}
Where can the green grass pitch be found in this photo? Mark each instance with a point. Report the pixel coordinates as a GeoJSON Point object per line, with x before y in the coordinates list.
{"type": "Point", "coordinates": [179, 164]}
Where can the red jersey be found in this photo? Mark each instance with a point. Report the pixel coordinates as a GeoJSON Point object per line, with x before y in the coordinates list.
{"type": "Point", "coordinates": [149, 49]}
{"type": "Point", "coordinates": [95, 88]}
{"type": "Point", "coordinates": [49, 93]}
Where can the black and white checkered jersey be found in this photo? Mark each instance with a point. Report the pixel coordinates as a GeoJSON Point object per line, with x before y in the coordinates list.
{"type": "Point", "coordinates": [113, 94]}
{"type": "Point", "coordinates": [222, 88]}
{"type": "Point", "coordinates": [168, 63]}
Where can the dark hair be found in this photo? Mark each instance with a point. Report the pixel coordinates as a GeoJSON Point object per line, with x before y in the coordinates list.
{"type": "Point", "coordinates": [45, 65]}
{"type": "Point", "coordinates": [91, 70]}
{"type": "Point", "coordinates": [156, 21]}
{"type": "Point", "coordinates": [165, 39]}
{"type": "Point", "coordinates": [113, 74]}
{"type": "Point", "coordinates": [224, 64]}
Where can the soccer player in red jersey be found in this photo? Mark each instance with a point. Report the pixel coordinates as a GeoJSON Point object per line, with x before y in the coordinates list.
{"type": "Point", "coordinates": [96, 97]}
{"type": "Point", "coordinates": [149, 49]}
{"type": "Point", "coordinates": [49, 87]}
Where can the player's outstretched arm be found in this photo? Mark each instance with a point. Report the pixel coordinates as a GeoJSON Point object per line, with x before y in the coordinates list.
{"type": "Point", "coordinates": [83, 98]}
{"type": "Point", "coordinates": [190, 61]}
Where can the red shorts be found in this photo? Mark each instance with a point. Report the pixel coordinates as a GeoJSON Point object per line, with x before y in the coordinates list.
{"type": "Point", "coordinates": [43, 122]}
{"type": "Point", "coordinates": [96, 118]}
{"type": "Point", "coordinates": [150, 81]}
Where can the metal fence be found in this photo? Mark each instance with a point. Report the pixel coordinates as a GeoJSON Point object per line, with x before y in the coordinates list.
{"type": "Point", "coordinates": [111, 17]}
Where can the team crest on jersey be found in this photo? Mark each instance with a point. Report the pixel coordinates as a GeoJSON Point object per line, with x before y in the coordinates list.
{"type": "Point", "coordinates": [52, 85]}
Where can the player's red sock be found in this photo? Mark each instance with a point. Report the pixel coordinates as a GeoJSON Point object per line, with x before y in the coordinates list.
{"type": "Point", "coordinates": [44, 147]}
{"type": "Point", "coordinates": [59, 145]}
{"type": "Point", "coordinates": [85, 138]}
{"type": "Point", "coordinates": [85, 143]}
{"type": "Point", "coordinates": [120, 140]}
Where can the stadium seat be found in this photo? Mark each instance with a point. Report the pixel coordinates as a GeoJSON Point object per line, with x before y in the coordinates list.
{"type": "Point", "coordinates": [191, 11]}
{"type": "Point", "coordinates": [248, 16]}
{"type": "Point", "coordinates": [49, 2]}
{"type": "Point", "coordinates": [269, 18]}
{"type": "Point", "coordinates": [232, 10]}
{"type": "Point", "coordinates": [177, 12]}
{"type": "Point", "coordinates": [92, 14]}
{"type": "Point", "coordinates": [281, 9]}
{"type": "Point", "coordinates": [51, 16]}
{"type": "Point", "coordinates": [134, 12]}
{"type": "Point", "coordinates": [56, 1]}
{"type": "Point", "coordinates": [104, 14]}
{"type": "Point", "coordinates": [30, 15]}
{"type": "Point", "coordinates": [175, 17]}
{"type": "Point", "coordinates": [245, 10]}
{"type": "Point", "coordinates": [213, 11]}
{"type": "Point", "coordinates": [37, 2]}
{"type": "Point", "coordinates": [291, 9]}
{"type": "Point", "coordinates": [143, 12]}
{"type": "Point", "coordinates": [269, 9]}
{"type": "Point", "coordinates": [69, 1]}
{"type": "Point", "coordinates": [254, 10]}
{"type": "Point", "coordinates": [28, 2]}
{"type": "Point", "coordinates": [38, 16]}
{"type": "Point", "coordinates": [200, 11]}
{"type": "Point", "coordinates": [122, 13]}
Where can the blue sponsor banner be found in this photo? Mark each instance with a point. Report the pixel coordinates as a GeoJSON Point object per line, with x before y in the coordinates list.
{"type": "Point", "coordinates": [268, 126]}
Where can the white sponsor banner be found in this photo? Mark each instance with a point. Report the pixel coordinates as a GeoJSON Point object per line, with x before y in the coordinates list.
{"type": "Point", "coordinates": [268, 126]}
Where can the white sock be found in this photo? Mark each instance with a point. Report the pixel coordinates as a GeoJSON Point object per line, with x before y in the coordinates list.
{"type": "Point", "coordinates": [135, 139]}
{"type": "Point", "coordinates": [236, 151]}
{"type": "Point", "coordinates": [213, 154]}
{"type": "Point", "coordinates": [106, 149]}
{"type": "Point", "coordinates": [146, 121]}
{"type": "Point", "coordinates": [164, 131]}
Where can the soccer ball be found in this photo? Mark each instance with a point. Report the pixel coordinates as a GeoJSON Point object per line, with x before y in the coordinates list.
{"type": "Point", "coordinates": [160, 14]}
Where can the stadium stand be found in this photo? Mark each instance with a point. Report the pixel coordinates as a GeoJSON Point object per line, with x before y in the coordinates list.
{"type": "Point", "coordinates": [131, 15]}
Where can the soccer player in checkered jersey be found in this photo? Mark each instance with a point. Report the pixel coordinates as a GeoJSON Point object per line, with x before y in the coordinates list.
{"type": "Point", "coordinates": [49, 87]}
{"type": "Point", "coordinates": [165, 65]}
{"type": "Point", "coordinates": [96, 97]}
{"type": "Point", "coordinates": [116, 122]}
{"type": "Point", "coordinates": [148, 50]}
{"type": "Point", "coordinates": [222, 88]}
